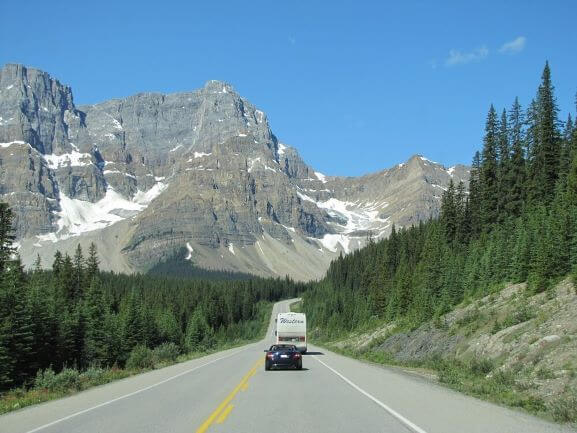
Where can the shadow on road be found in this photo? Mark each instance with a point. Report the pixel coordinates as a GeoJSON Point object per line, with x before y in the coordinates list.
{"type": "Point", "coordinates": [288, 369]}
{"type": "Point", "coordinates": [314, 353]}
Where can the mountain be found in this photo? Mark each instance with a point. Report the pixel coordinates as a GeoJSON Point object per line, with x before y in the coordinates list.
{"type": "Point", "coordinates": [152, 174]}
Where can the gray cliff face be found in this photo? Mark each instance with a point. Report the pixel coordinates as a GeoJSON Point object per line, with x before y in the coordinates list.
{"type": "Point", "coordinates": [35, 109]}
{"type": "Point", "coordinates": [150, 174]}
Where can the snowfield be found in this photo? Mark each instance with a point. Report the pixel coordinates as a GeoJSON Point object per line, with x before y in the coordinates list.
{"type": "Point", "coordinates": [78, 216]}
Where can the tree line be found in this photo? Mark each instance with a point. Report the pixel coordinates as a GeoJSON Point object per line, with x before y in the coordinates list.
{"type": "Point", "coordinates": [516, 223]}
{"type": "Point", "coordinates": [74, 315]}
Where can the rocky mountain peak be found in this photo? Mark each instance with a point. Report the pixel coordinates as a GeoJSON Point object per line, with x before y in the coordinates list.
{"type": "Point", "coordinates": [35, 109]}
{"type": "Point", "coordinates": [154, 173]}
{"type": "Point", "coordinates": [217, 86]}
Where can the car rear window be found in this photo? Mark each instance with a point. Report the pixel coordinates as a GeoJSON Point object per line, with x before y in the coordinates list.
{"type": "Point", "coordinates": [283, 348]}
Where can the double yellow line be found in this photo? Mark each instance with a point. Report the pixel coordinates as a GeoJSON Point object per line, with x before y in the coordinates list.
{"type": "Point", "coordinates": [223, 409]}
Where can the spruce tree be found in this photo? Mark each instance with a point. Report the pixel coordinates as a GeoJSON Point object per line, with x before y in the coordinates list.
{"type": "Point", "coordinates": [517, 167]}
{"type": "Point", "coordinates": [57, 264]}
{"type": "Point", "coordinates": [450, 213]}
{"type": "Point", "coordinates": [547, 147]}
{"type": "Point", "coordinates": [15, 314]}
{"type": "Point", "coordinates": [92, 263]}
{"type": "Point", "coordinates": [6, 235]}
{"type": "Point", "coordinates": [566, 149]}
{"type": "Point", "coordinates": [489, 187]}
{"type": "Point", "coordinates": [95, 312]}
{"type": "Point", "coordinates": [503, 167]}
{"type": "Point", "coordinates": [79, 273]}
{"type": "Point", "coordinates": [473, 209]}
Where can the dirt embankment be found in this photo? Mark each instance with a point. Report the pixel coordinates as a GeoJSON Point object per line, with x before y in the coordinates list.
{"type": "Point", "coordinates": [533, 338]}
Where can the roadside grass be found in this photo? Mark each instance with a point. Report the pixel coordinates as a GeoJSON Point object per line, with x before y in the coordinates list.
{"type": "Point", "coordinates": [296, 307]}
{"type": "Point", "coordinates": [49, 385]}
{"type": "Point", "coordinates": [477, 378]}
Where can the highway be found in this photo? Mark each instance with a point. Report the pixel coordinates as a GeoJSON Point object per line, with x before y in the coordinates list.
{"type": "Point", "coordinates": [229, 391]}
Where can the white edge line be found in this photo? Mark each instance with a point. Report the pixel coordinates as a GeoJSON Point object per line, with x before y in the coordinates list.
{"type": "Point", "coordinates": [397, 415]}
{"type": "Point", "coordinates": [133, 393]}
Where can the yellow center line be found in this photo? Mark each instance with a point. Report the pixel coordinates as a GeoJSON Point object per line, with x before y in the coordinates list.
{"type": "Point", "coordinates": [224, 414]}
{"type": "Point", "coordinates": [213, 416]}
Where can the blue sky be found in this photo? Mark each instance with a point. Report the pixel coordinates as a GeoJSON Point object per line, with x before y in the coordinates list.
{"type": "Point", "coordinates": [356, 86]}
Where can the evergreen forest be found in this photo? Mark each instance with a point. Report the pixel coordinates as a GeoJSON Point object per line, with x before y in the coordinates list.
{"type": "Point", "coordinates": [517, 222]}
{"type": "Point", "coordinates": [75, 316]}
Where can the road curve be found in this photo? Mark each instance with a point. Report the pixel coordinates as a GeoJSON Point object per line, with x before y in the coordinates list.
{"type": "Point", "coordinates": [230, 392]}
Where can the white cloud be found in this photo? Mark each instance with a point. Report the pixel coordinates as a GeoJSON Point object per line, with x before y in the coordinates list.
{"type": "Point", "coordinates": [457, 57]}
{"type": "Point", "coordinates": [514, 46]}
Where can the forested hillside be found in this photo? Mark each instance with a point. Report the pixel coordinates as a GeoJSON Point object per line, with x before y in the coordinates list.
{"type": "Point", "coordinates": [518, 222]}
{"type": "Point", "coordinates": [78, 317]}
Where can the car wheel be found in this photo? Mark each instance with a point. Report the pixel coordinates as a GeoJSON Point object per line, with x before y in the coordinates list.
{"type": "Point", "coordinates": [300, 366]}
{"type": "Point", "coordinates": [266, 366]}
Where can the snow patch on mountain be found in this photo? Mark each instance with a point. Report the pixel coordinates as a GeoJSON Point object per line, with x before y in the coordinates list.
{"type": "Point", "coordinates": [428, 160]}
{"type": "Point", "coordinates": [305, 197]}
{"type": "Point", "coordinates": [190, 251]}
{"type": "Point", "coordinates": [4, 145]}
{"type": "Point", "coordinates": [321, 177]}
{"type": "Point", "coordinates": [78, 216]}
{"type": "Point", "coordinates": [115, 122]}
{"type": "Point", "coordinates": [434, 185]}
{"type": "Point", "coordinates": [332, 241]}
{"type": "Point", "coordinates": [200, 155]}
{"type": "Point", "coordinates": [144, 198]}
{"type": "Point", "coordinates": [72, 159]}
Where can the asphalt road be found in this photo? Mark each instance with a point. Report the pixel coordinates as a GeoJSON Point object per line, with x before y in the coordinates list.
{"type": "Point", "coordinates": [230, 392]}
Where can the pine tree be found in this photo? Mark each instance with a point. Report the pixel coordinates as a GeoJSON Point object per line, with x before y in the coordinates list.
{"type": "Point", "coordinates": [6, 235]}
{"type": "Point", "coordinates": [92, 263]}
{"type": "Point", "coordinates": [6, 360]}
{"type": "Point", "coordinates": [463, 228]}
{"type": "Point", "coordinates": [504, 166]}
{"type": "Point", "coordinates": [196, 332]}
{"type": "Point", "coordinates": [489, 186]}
{"type": "Point", "coordinates": [450, 213]}
{"type": "Point", "coordinates": [95, 312]}
{"type": "Point", "coordinates": [66, 280]}
{"type": "Point", "coordinates": [515, 183]}
{"type": "Point", "coordinates": [17, 321]}
{"type": "Point", "coordinates": [79, 273]}
{"type": "Point", "coordinates": [566, 149]}
{"type": "Point", "coordinates": [57, 264]}
{"type": "Point", "coordinates": [133, 326]}
{"type": "Point", "coordinates": [547, 149]}
{"type": "Point", "coordinates": [473, 208]}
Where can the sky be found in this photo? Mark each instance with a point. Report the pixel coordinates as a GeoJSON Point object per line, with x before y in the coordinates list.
{"type": "Point", "coordinates": [355, 86]}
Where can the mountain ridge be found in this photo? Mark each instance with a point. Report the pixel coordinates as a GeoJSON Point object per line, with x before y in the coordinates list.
{"type": "Point", "coordinates": [201, 170]}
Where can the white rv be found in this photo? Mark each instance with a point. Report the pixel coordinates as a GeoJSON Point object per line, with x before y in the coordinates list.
{"type": "Point", "coordinates": [291, 328]}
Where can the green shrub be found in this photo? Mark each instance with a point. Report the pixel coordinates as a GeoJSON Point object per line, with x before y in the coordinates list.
{"type": "Point", "coordinates": [506, 378]}
{"type": "Point", "coordinates": [92, 374]}
{"type": "Point", "coordinates": [565, 409]}
{"type": "Point", "coordinates": [66, 379]}
{"type": "Point", "coordinates": [545, 373]}
{"type": "Point", "coordinates": [166, 352]}
{"type": "Point", "coordinates": [45, 379]}
{"type": "Point", "coordinates": [140, 357]}
{"type": "Point", "coordinates": [481, 367]}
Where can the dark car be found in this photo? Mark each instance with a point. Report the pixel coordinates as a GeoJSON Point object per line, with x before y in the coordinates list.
{"type": "Point", "coordinates": [283, 356]}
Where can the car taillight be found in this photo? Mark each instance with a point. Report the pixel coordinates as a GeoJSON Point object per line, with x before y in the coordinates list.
{"type": "Point", "coordinates": [297, 355]}
{"type": "Point", "coordinates": [270, 355]}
